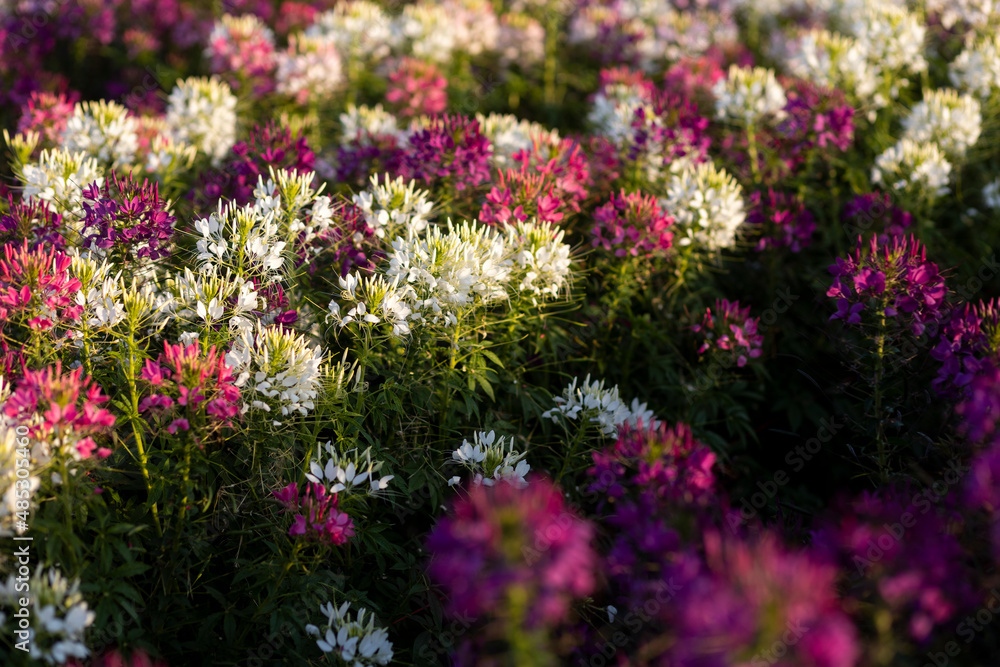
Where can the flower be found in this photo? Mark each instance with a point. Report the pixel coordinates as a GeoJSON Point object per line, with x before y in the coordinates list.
{"type": "Point", "coordinates": [749, 95]}
{"type": "Point", "coordinates": [731, 329]}
{"type": "Point", "coordinates": [202, 112]}
{"type": "Point", "coordinates": [373, 301]}
{"type": "Point", "coordinates": [37, 291]}
{"type": "Point", "coordinates": [967, 346]}
{"type": "Point", "coordinates": [357, 643]}
{"type": "Point", "coordinates": [310, 69]}
{"type": "Point", "coordinates": [345, 473]}
{"type": "Point", "coordinates": [912, 167]}
{"type": "Point", "coordinates": [394, 207]}
{"type": "Point", "coordinates": [980, 409]}
{"type": "Point", "coordinates": [317, 518]}
{"type": "Point", "coordinates": [450, 148]}
{"type": "Point", "coordinates": [103, 130]}
{"type": "Point", "coordinates": [491, 460]}
{"type": "Point", "coordinates": [892, 278]}
{"type": "Point", "coordinates": [60, 614]}
{"type": "Point", "coordinates": [58, 179]}
{"type": "Point", "coordinates": [633, 223]}
{"type": "Point", "coordinates": [783, 221]}
{"type": "Point", "coordinates": [361, 30]}
{"type": "Point", "coordinates": [46, 114]}
{"type": "Point", "coordinates": [592, 402]}
{"type": "Point", "coordinates": [947, 118]}
{"type": "Point", "coordinates": [501, 538]}
{"type": "Point", "coordinates": [976, 70]}
{"type": "Point", "coordinates": [31, 221]}
{"type": "Point", "coordinates": [241, 50]}
{"type": "Point", "coordinates": [417, 88]}
{"type": "Point", "coordinates": [707, 206]}
{"type": "Point", "coordinates": [126, 219]}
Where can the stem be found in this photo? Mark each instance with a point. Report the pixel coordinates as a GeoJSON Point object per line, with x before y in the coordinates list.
{"type": "Point", "coordinates": [752, 150]}
{"type": "Point", "coordinates": [877, 387]}
{"type": "Point", "coordinates": [551, 43]}
{"type": "Point", "coordinates": [133, 358]}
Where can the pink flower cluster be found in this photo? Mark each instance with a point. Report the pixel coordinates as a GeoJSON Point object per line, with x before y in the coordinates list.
{"type": "Point", "coordinates": [732, 329]}
{"type": "Point", "coordinates": [188, 386]}
{"type": "Point", "coordinates": [633, 223]}
{"type": "Point", "coordinates": [47, 113]}
{"type": "Point", "coordinates": [417, 88]}
{"type": "Point", "coordinates": [127, 219]}
{"type": "Point", "coordinates": [65, 407]}
{"type": "Point", "coordinates": [518, 196]}
{"type": "Point", "coordinates": [317, 518]}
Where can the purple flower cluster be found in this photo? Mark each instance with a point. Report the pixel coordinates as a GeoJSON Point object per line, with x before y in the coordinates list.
{"type": "Point", "coordinates": [317, 518]}
{"type": "Point", "coordinates": [889, 278]}
{"type": "Point", "coordinates": [270, 145]}
{"type": "Point", "coordinates": [980, 410]}
{"type": "Point", "coordinates": [899, 545]}
{"type": "Point", "coordinates": [815, 118]}
{"type": "Point", "coordinates": [633, 223]}
{"type": "Point", "coordinates": [33, 222]}
{"type": "Point", "coordinates": [349, 243]}
{"type": "Point", "coordinates": [452, 149]}
{"type": "Point", "coordinates": [969, 345]}
{"type": "Point", "coordinates": [519, 195]}
{"type": "Point", "coordinates": [783, 221]}
{"type": "Point", "coordinates": [755, 601]}
{"type": "Point", "coordinates": [732, 329]}
{"type": "Point", "coordinates": [127, 219]}
{"type": "Point", "coordinates": [501, 538]}
{"type": "Point", "coordinates": [865, 210]}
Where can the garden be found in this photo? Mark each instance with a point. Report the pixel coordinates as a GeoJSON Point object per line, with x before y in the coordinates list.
{"type": "Point", "coordinates": [500, 333]}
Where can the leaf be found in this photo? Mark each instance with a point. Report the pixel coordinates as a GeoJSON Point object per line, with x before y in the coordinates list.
{"type": "Point", "coordinates": [492, 357]}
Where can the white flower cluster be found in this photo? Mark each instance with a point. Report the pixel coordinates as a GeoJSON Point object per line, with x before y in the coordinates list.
{"type": "Point", "coordinates": [491, 460]}
{"type": "Point", "coordinates": [913, 167]}
{"type": "Point", "coordinates": [613, 110]}
{"type": "Point", "coordinates": [13, 487]}
{"type": "Point", "coordinates": [277, 370]}
{"type": "Point", "coordinates": [835, 61]}
{"type": "Point", "coordinates": [373, 301]}
{"type": "Point", "coordinates": [991, 195]}
{"type": "Point", "coordinates": [310, 69]}
{"type": "Point", "coordinates": [395, 207]}
{"type": "Point", "coordinates": [165, 157]}
{"type": "Point", "coordinates": [429, 32]}
{"type": "Point", "coordinates": [361, 30]}
{"type": "Point", "coordinates": [357, 643]}
{"type": "Point", "coordinates": [343, 473]}
{"type": "Point", "coordinates": [749, 95]}
{"type": "Point", "coordinates": [60, 616]}
{"type": "Point", "coordinates": [202, 112]}
{"type": "Point", "coordinates": [707, 205]}
{"type": "Point", "coordinates": [246, 239]}
{"type": "Point", "coordinates": [521, 40]}
{"type": "Point", "coordinates": [58, 178]}
{"type": "Point", "coordinates": [199, 300]}
{"type": "Point", "coordinates": [100, 293]}
{"type": "Point", "coordinates": [288, 199]}
{"type": "Point", "coordinates": [976, 70]}
{"type": "Point", "coordinates": [359, 123]}
{"type": "Point", "coordinates": [591, 401]}
{"type": "Point", "coordinates": [542, 256]}
{"type": "Point", "coordinates": [450, 270]}
{"type": "Point", "coordinates": [947, 118]}
{"type": "Point", "coordinates": [509, 134]}
{"type": "Point", "coordinates": [102, 130]}
{"type": "Point", "coordinates": [891, 36]}
{"type": "Point", "coordinates": [979, 15]}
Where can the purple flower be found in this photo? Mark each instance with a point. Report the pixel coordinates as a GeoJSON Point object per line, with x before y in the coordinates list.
{"type": "Point", "coordinates": [731, 329]}
{"type": "Point", "coordinates": [503, 537]}
{"type": "Point", "coordinates": [968, 344]}
{"type": "Point", "coordinates": [981, 408]}
{"type": "Point", "coordinates": [317, 518]}
{"type": "Point", "coordinates": [865, 210]}
{"type": "Point", "coordinates": [127, 219]}
{"type": "Point", "coordinates": [632, 224]}
{"type": "Point", "coordinates": [33, 222]}
{"type": "Point", "coordinates": [783, 221]}
{"type": "Point", "coordinates": [452, 149]}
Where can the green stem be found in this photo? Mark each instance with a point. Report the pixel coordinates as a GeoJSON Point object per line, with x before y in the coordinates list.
{"type": "Point", "coordinates": [877, 387]}
{"type": "Point", "coordinates": [143, 458]}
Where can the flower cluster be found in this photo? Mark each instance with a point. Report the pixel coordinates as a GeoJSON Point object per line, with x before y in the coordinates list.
{"type": "Point", "coordinates": [916, 169]}
{"type": "Point", "coordinates": [868, 209]}
{"type": "Point", "coordinates": [60, 614]}
{"type": "Point", "coordinates": [707, 205]}
{"type": "Point", "coordinates": [58, 179]}
{"type": "Point", "coordinates": [976, 70]}
{"type": "Point", "coordinates": [502, 538]}
{"type": "Point", "coordinates": [347, 474]}
{"type": "Point", "coordinates": [317, 518]}
{"type": "Point", "coordinates": [417, 88]}
{"type": "Point", "coordinates": [969, 343]}
{"type": "Point", "coordinates": [592, 402]}
{"type": "Point", "coordinates": [189, 389]}
{"type": "Point", "coordinates": [782, 221]}
{"type": "Point", "coordinates": [37, 291]}
{"type": "Point", "coordinates": [357, 643]}
{"type": "Point", "coordinates": [732, 329]}
{"type": "Point", "coordinates": [491, 460]}
{"type": "Point", "coordinates": [126, 220]}
{"type": "Point", "coordinates": [394, 207]}
{"type": "Point", "coordinates": [202, 112]}
{"type": "Point", "coordinates": [309, 69]}
{"type": "Point", "coordinates": [452, 149]}
{"type": "Point", "coordinates": [749, 95]}
{"type": "Point", "coordinates": [241, 50]}
{"type": "Point", "coordinates": [947, 118]}
{"type": "Point", "coordinates": [373, 301]}
{"type": "Point", "coordinates": [62, 412]}
{"type": "Point", "coordinates": [888, 279]}
{"type": "Point", "coordinates": [101, 130]}
{"type": "Point", "coordinates": [632, 224]}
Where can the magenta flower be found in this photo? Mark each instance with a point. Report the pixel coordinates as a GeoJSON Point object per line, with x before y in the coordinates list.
{"type": "Point", "coordinates": [564, 167]}
{"type": "Point", "coordinates": [501, 537]}
{"type": "Point", "coordinates": [519, 195]}
{"type": "Point", "coordinates": [451, 149]}
{"type": "Point", "coordinates": [317, 518]}
{"type": "Point", "coordinates": [783, 221]}
{"type": "Point", "coordinates": [47, 113]}
{"type": "Point", "coordinates": [33, 222]}
{"type": "Point", "coordinates": [892, 278]}
{"type": "Point", "coordinates": [417, 88]}
{"type": "Point", "coordinates": [875, 210]}
{"type": "Point", "coordinates": [968, 345]}
{"type": "Point", "coordinates": [127, 219]}
{"type": "Point", "coordinates": [731, 329]}
{"type": "Point", "coordinates": [980, 410]}
{"type": "Point", "coordinates": [241, 50]}
{"type": "Point", "coordinates": [633, 224]}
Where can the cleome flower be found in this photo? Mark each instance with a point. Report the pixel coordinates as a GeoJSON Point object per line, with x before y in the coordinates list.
{"type": "Point", "coordinates": [373, 301]}
{"type": "Point", "coordinates": [202, 112]}
{"type": "Point", "coordinates": [491, 460]}
{"type": "Point", "coordinates": [58, 178]}
{"type": "Point", "coordinates": [394, 207]}
{"type": "Point", "coordinates": [951, 120]}
{"type": "Point", "coordinates": [346, 474]}
{"type": "Point", "coordinates": [749, 95]}
{"type": "Point", "coordinates": [317, 518]}
{"type": "Point", "coordinates": [976, 70]}
{"type": "Point", "coordinates": [707, 206]}
{"type": "Point", "coordinates": [102, 130]}
{"type": "Point", "coordinates": [277, 371]}
{"type": "Point", "coordinates": [241, 48]}
{"type": "Point", "coordinates": [917, 168]}
{"type": "Point", "coordinates": [356, 643]}
{"type": "Point", "coordinates": [544, 267]}
{"type": "Point", "coordinates": [592, 402]}
{"type": "Point", "coordinates": [13, 488]}
{"type": "Point", "coordinates": [361, 30]}
{"type": "Point", "coordinates": [309, 69]}
{"type": "Point", "coordinates": [60, 614]}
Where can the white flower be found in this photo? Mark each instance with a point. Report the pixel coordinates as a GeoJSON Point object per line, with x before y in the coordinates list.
{"type": "Point", "coordinates": [491, 459]}
{"type": "Point", "coordinates": [976, 70]}
{"type": "Point", "coordinates": [102, 130]}
{"type": "Point", "coordinates": [247, 238]}
{"type": "Point", "coordinates": [945, 117]}
{"type": "Point", "coordinates": [346, 473]}
{"type": "Point", "coordinates": [201, 112]}
{"type": "Point", "coordinates": [395, 207]}
{"type": "Point", "coordinates": [604, 407]}
{"type": "Point", "coordinates": [185, 292]}
{"type": "Point", "coordinates": [373, 300]}
{"type": "Point", "coordinates": [309, 69]}
{"type": "Point", "coordinates": [919, 168]}
{"type": "Point", "coordinates": [991, 195]}
{"type": "Point", "coordinates": [612, 112]}
{"type": "Point", "coordinates": [509, 134]}
{"type": "Point", "coordinates": [543, 258]}
{"type": "Point", "coordinates": [58, 178]}
{"type": "Point", "coordinates": [891, 37]}
{"type": "Point", "coordinates": [360, 123]}
{"type": "Point", "coordinates": [831, 60]}
{"type": "Point", "coordinates": [356, 642]}
{"type": "Point", "coordinates": [749, 95]}
{"type": "Point", "coordinates": [60, 612]}
{"type": "Point", "coordinates": [707, 206]}
{"type": "Point", "coordinates": [360, 30]}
